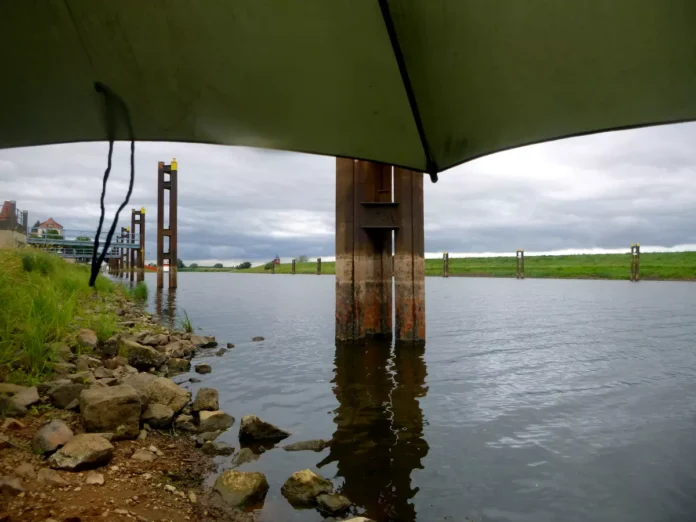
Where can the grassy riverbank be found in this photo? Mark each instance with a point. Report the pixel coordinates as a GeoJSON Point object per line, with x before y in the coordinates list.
{"type": "Point", "coordinates": [43, 302]}
{"type": "Point", "coordinates": [658, 266]}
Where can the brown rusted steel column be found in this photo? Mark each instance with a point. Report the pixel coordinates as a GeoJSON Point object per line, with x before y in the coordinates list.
{"type": "Point", "coordinates": [124, 253]}
{"type": "Point", "coordinates": [132, 252]}
{"type": "Point", "coordinates": [445, 264]}
{"type": "Point", "coordinates": [141, 250]}
{"type": "Point", "coordinates": [171, 255]}
{"type": "Point", "coordinates": [363, 250]}
{"type": "Point", "coordinates": [409, 257]}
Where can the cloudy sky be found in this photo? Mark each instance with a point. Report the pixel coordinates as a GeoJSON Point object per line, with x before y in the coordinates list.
{"type": "Point", "coordinates": [598, 192]}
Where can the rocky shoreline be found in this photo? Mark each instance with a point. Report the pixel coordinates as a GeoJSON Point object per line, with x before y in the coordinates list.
{"type": "Point", "coordinates": [112, 437]}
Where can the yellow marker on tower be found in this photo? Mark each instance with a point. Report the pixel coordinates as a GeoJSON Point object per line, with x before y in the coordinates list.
{"type": "Point", "coordinates": [174, 165]}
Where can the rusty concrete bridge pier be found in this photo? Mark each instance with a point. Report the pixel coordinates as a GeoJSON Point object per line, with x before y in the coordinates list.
{"type": "Point", "coordinates": [378, 206]}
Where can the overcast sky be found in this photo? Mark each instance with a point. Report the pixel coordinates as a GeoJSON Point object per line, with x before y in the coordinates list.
{"type": "Point", "coordinates": [598, 192]}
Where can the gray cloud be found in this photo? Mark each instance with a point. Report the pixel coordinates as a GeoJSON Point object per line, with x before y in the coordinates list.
{"type": "Point", "coordinates": [605, 191]}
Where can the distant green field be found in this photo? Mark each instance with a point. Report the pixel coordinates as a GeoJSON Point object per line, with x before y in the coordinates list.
{"type": "Point", "coordinates": [665, 266]}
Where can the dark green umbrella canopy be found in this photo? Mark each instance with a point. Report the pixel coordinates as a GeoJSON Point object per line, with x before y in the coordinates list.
{"type": "Point", "coordinates": [423, 84]}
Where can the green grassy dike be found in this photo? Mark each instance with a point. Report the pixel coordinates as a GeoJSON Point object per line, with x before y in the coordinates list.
{"type": "Point", "coordinates": [44, 301]}
{"type": "Point", "coordinates": [679, 266]}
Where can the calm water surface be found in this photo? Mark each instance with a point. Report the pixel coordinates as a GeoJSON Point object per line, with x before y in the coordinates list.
{"type": "Point", "coordinates": [534, 401]}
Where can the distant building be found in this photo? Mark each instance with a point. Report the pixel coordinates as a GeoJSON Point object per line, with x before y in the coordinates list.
{"type": "Point", "coordinates": [50, 227]}
{"type": "Point", "coordinates": [11, 218]}
{"type": "Point", "coordinates": [276, 261]}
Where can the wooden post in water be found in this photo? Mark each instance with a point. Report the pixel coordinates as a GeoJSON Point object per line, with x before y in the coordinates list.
{"type": "Point", "coordinates": [519, 254]}
{"type": "Point", "coordinates": [635, 262]}
{"type": "Point", "coordinates": [171, 232]}
{"type": "Point", "coordinates": [319, 266]}
{"type": "Point", "coordinates": [445, 264]}
{"type": "Point", "coordinates": [293, 267]}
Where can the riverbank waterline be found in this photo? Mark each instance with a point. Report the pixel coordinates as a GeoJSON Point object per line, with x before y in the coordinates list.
{"type": "Point", "coordinates": [533, 400]}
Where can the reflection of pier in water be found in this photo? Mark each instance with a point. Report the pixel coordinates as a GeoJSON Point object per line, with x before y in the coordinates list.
{"type": "Point", "coordinates": [167, 312]}
{"type": "Point", "coordinates": [379, 440]}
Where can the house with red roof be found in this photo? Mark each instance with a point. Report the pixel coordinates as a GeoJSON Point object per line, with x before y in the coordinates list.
{"type": "Point", "coordinates": [50, 227]}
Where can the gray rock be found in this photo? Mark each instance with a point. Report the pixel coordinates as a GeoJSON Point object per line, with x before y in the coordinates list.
{"type": "Point", "coordinates": [155, 339]}
{"type": "Point", "coordinates": [214, 420]}
{"type": "Point", "coordinates": [303, 487]}
{"type": "Point", "coordinates": [217, 448]}
{"type": "Point", "coordinates": [333, 504]}
{"type": "Point", "coordinates": [165, 391]}
{"type": "Point", "coordinates": [9, 408]}
{"type": "Point", "coordinates": [230, 345]}
{"type": "Point", "coordinates": [109, 382]}
{"type": "Point", "coordinates": [7, 388]}
{"type": "Point", "coordinates": [221, 352]}
{"type": "Point", "coordinates": [84, 451]}
{"type": "Point", "coordinates": [179, 349]}
{"type": "Point", "coordinates": [115, 362]}
{"type": "Point", "coordinates": [203, 368]}
{"type": "Point", "coordinates": [10, 487]}
{"type": "Point", "coordinates": [142, 357]}
{"type": "Point", "coordinates": [178, 365]}
{"type": "Point", "coordinates": [25, 470]}
{"type": "Point", "coordinates": [26, 397]}
{"type": "Point", "coordinates": [185, 423]}
{"type": "Point", "coordinates": [51, 437]}
{"type": "Point", "coordinates": [4, 442]}
{"type": "Point", "coordinates": [307, 445]}
{"type": "Point", "coordinates": [143, 455]}
{"type": "Point", "coordinates": [244, 456]}
{"type": "Point", "coordinates": [94, 479]}
{"type": "Point", "coordinates": [12, 424]}
{"type": "Point", "coordinates": [158, 416]}
{"type": "Point", "coordinates": [103, 373]}
{"type": "Point", "coordinates": [87, 339]}
{"type": "Point", "coordinates": [257, 339]}
{"type": "Point", "coordinates": [85, 377]}
{"type": "Point", "coordinates": [115, 409]}
{"type": "Point", "coordinates": [62, 351]}
{"type": "Point", "coordinates": [253, 428]}
{"type": "Point", "coordinates": [358, 519]}
{"type": "Point", "coordinates": [206, 399]}
{"type": "Point", "coordinates": [208, 436]}
{"type": "Point", "coordinates": [51, 477]}
{"type": "Point", "coordinates": [109, 348]}
{"type": "Point", "coordinates": [203, 341]}
{"type": "Point", "coordinates": [63, 368]}
{"type": "Point", "coordinates": [194, 380]}
{"type": "Point", "coordinates": [84, 362]}
{"type": "Point", "coordinates": [139, 381]}
{"type": "Point", "coordinates": [63, 394]}
{"type": "Point", "coordinates": [239, 489]}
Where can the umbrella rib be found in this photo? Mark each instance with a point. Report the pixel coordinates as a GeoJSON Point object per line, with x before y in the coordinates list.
{"type": "Point", "coordinates": [406, 81]}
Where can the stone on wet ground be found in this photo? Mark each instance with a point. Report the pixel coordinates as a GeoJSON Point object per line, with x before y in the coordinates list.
{"type": "Point", "coordinates": [26, 397]}
{"type": "Point", "coordinates": [221, 352]}
{"type": "Point", "coordinates": [240, 489]}
{"type": "Point", "coordinates": [307, 445]}
{"type": "Point", "coordinates": [207, 436]}
{"type": "Point", "coordinates": [185, 423]}
{"type": "Point", "coordinates": [115, 409]}
{"type": "Point", "coordinates": [332, 503]}
{"type": "Point", "coordinates": [50, 437]}
{"type": "Point", "coordinates": [158, 416]}
{"type": "Point", "coordinates": [244, 456]}
{"type": "Point", "coordinates": [215, 420]}
{"type": "Point", "coordinates": [178, 365]}
{"type": "Point", "coordinates": [143, 455]}
{"type": "Point", "coordinates": [84, 451]}
{"type": "Point", "coordinates": [51, 478]}
{"type": "Point", "coordinates": [10, 487]}
{"type": "Point", "coordinates": [217, 448]}
{"type": "Point", "coordinates": [253, 428]}
{"type": "Point", "coordinates": [142, 357]}
{"type": "Point", "coordinates": [206, 399]}
{"type": "Point", "coordinates": [12, 424]}
{"type": "Point", "coordinates": [303, 487]}
{"type": "Point", "coordinates": [63, 395]}
{"type": "Point", "coordinates": [87, 339]}
{"type": "Point", "coordinates": [94, 479]}
{"type": "Point", "coordinates": [167, 392]}
{"type": "Point", "coordinates": [203, 341]}
{"type": "Point", "coordinates": [25, 470]}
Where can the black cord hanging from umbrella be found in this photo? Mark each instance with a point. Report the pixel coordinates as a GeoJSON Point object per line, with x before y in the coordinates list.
{"type": "Point", "coordinates": [112, 102]}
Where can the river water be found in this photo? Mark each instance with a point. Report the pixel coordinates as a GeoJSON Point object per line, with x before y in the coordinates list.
{"type": "Point", "coordinates": [533, 401]}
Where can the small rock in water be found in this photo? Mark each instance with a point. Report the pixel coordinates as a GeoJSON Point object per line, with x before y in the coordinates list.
{"type": "Point", "coordinates": [215, 420]}
{"type": "Point", "coordinates": [194, 380]}
{"type": "Point", "coordinates": [203, 368]}
{"type": "Point", "coordinates": [207, 437]}
{"type": "Point", "coordinates": [95, 479]}
{"type": "Point", "coordinates": [253, 428]}
{"type": "Point", "coordinates": [221, 352]}
{"type": "Point", "coordinates": [217, 448]}
{"type": "Point", "coordinates": [333, 503]}
{"type": "Point", "coordinates": [257, 339]}
{"type": "Point", "coordinates": [230, 345]}
{"type": "Point", "coordinates": [206, 399]}
{"type": "Point", "coordinates": [303, 487]}
{"type": "Point", "coordinates": [239, 489]}
{"type": "Point", "coordinates": [244, 456]}
{"type": "Point", "coordinates": [178, 365]}
{"type": "Point", "coordinates": [307, 445]}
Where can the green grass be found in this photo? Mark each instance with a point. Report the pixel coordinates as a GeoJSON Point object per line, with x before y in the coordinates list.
{"type": "Point", "coordinates": [185, 323]}
{"type": "Point", "coordinates": [139, 292]}
{"type": "Point", "coordinates": [41, 297]}
{"type": "Point", "coordinates": [660, 266]}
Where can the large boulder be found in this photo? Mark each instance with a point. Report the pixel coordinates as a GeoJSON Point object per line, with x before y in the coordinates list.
{"type": "Point", "coordinates": [142, 357]}
{"type": "Point", "coordinates": [253, 428]}
{"type": "Point", "coordinates": [154, 339]}
{"type": "Point", "coordinates": [139, 381]}
{"type": "Point", "coordinates": [215, 420]}
{"type": "Point", "coordinates": [26, 397]}
{"type": "Point", "coordinates": [178, 365]}
{"type": "Point", "coordinates": [167, 392]}
{"type": "Point", "coordinates": [158, 416]}
{"type": "Point", "coordinates": [87, 339]}
{"type": "Point", "coordinates": [203, 368]}
{"type": "Point", "coordinates": [84, 451]}
{"type": "Point", "coordinates": [113, 410]}
{"type": "Point", "coordinates": [303, 487]}
{"type": "Point", "coordinates": [51, 437]}
{"type": "Point", "coordinates": [64, 395]}
{"type": "Point", "coordinates": [179, 349]}
{"type": "Point", "coordinates": [307, 445]}
{"type": "Point", "coordinates": [239, 489]}
{"type": "Point", "coordinates": [206, 399]}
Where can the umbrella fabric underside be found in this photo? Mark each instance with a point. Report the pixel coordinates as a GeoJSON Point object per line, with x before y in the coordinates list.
{"type": "Point", "coordinates": [324, 76]}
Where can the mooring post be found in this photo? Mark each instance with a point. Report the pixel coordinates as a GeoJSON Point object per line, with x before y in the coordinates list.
{"type": "Point", "coordinates": [293, 267]}
{"type": "Point", "coordinates": [635, 262]}
{"type": "Point", "coordinates": [170, 232]}
{"type": "Point", "coordinates": [319, 266]}
{"type": "Point", "coordinates": [445, 264]}
{"type": "Point", "coordinates": [519, 256]}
